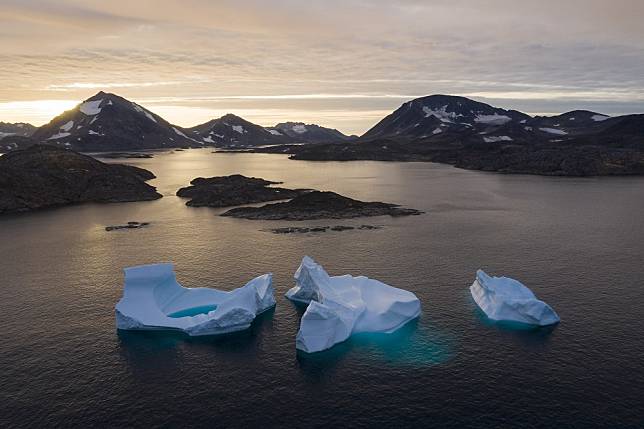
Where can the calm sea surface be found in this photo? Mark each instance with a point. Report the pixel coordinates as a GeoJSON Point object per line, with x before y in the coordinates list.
{"type": "Point", "coordinates": [577, 243]}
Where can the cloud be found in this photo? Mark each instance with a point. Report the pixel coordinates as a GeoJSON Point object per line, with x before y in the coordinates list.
{"type": "Point", "coordinates": [327, 55]}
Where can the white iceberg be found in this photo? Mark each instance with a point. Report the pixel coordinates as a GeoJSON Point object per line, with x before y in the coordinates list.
{"type": "Point", "coordinates": [505, 299]}
{"type": "Point", "coordinates": [343, 305]}
{"type": "Point", "coordinates": [153, 299]}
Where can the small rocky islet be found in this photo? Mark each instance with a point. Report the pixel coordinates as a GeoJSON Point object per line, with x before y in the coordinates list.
{"type": "Point", "coordinates": [129, 225]}
{"type": "Point", "coordinates": [125, 155]}
{"type": "Point", "coordinates": [308, 229]}
{"type": "Point", "coordinates": [234, 190]}
{"type": "Point", "coordinates": [320, 205]}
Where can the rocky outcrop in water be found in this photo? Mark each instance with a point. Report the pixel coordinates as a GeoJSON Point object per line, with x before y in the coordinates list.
{"type": "Point", "coordinates": [129, 225]}
{"type": "Point", "coordinates": [235, 190]}
{"type": "Point", "coordinates": [320, 205]}
{"type": "Point", "coordinates": [307, 229]}
{"type": "Point", "coordinates": [45, 176]}
{"type": "Point", "coordinates": [126, 155]}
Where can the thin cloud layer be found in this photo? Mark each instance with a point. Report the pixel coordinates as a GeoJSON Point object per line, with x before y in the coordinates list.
{"type": "Point", "coordinates": [333, 62]}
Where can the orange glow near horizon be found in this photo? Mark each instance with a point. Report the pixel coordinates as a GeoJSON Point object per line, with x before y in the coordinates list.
{"type": "Point", "coordinates": [338, 63]}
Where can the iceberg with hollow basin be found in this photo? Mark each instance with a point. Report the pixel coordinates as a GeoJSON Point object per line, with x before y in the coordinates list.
{"type": "Point", "coordinates": [153, 299]}
{"type": "Point", "coordinates": [340, 306]}
{"type": "Point", "coordinates": [506, 299]}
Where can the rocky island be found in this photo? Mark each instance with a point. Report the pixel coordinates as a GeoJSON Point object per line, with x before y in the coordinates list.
{"type": "Point", "coordinates": [235, 190]}
{"type": "Point", "coordinates": [320, 205]}
{"type": "Point", "coordinates": [44, 176]}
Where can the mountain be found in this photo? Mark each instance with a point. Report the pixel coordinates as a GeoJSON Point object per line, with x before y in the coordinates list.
{"type": "Point", "coordinates": [45, 176]}
{"type": "Point", "coordinates": [438, 114]}
{"type": "Point", "coordinates": [233, 131]}
{"type": "Point", "coordinates": [444, 118]}
{"type": "Point", "coordinates": [474, 135]}
{"type": "Point", "coordinates": [108, 122]}
{"type": "Point", "coordinates": [21, 129]}
{"type": "Point", "coordinates": [300, 132]}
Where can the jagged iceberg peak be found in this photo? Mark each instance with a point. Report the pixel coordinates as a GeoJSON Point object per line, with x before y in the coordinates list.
{"type": "Point", "coordinates": [153, 299]}
{"type": "Point", "coordinates": [506, 299]}
{"type": "Point", "coordinates": [343, 305]}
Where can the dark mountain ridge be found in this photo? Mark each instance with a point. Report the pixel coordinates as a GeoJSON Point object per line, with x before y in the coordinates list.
{"type": "Point", "coordinates": [22, 129]}
{"type": "Point", "coordinates": [108, 122]}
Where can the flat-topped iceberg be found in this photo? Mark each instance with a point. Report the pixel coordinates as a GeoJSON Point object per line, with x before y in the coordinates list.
{"type": "Point", "coordinates": [505, 299]}
{"type": "Point", "coordinates": [343, 305]}
{"type": "Point", "coordinates": [153, 299]}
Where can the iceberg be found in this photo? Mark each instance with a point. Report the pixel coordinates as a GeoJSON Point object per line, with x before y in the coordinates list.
{"type": "Point", "coordinates": [506, 299]}
{"type": "Point", "coordinates": [153, 299]}
{"type": "Point", "coordinates": [340, 306]}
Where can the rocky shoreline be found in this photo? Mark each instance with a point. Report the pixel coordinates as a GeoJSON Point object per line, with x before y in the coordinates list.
{"type": "Point", "coordinates": [575, 158]}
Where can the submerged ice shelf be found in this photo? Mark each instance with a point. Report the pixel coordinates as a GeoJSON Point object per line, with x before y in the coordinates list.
{"type": "Point", "coordinates": [506, 299]}
{"type": "Point", "coordinates": [340, 306]}
{"type": "Point", "coordinates": [153, 299]}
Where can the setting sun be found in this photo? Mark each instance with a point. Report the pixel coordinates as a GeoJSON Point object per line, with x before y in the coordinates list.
{"type": "Point", "coordinates": [36, 112]}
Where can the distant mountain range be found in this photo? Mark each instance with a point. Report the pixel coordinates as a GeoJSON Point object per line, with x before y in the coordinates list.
{"type": "Point", "coordinates": [439, 128]}
{"type": "Point", "coordinates": [309, 133]}
{"type": "Point", "coordinates": [474, 135]}
{"type": "Point", "coordinates": [17, 129]}
{"type": "Point", "coordinates": [107, 122]}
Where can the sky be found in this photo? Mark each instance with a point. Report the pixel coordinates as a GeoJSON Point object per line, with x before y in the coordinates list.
{"type": "Point", "coordinates": [338, 63]}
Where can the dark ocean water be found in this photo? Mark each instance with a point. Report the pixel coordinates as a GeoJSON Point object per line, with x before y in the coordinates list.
{"type": "Point", "coordinates": [577, 243]}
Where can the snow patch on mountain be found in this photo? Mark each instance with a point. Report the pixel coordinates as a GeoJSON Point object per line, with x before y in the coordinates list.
{"type": "Point", "coordinates": [91, 108]}
{"type": "Point", "coordinates": [68, 126]}
{"type": "Point", "coordinates": [59, 136]}
{"type": "Point", "coordinates": [599, 118]}
{"type": "Point", "coordinates": [275, 132]}
{"type": "Point", "coordinates": [554, 131]}
{"type": "Point", "coordinates": [180, 133]}
{"type": "Point", "coordinates": [145, 112]}
{"type": "Point", "coordinates": [299, 128]}
{"type": "Point", "coordinates": [239, 128]}
{"type": "Point", "coordinates": [494, 119]}
{"type": "Point", "coordinates": [495, 139]}
{"type": "Point", "coordinates": [441, 114]}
